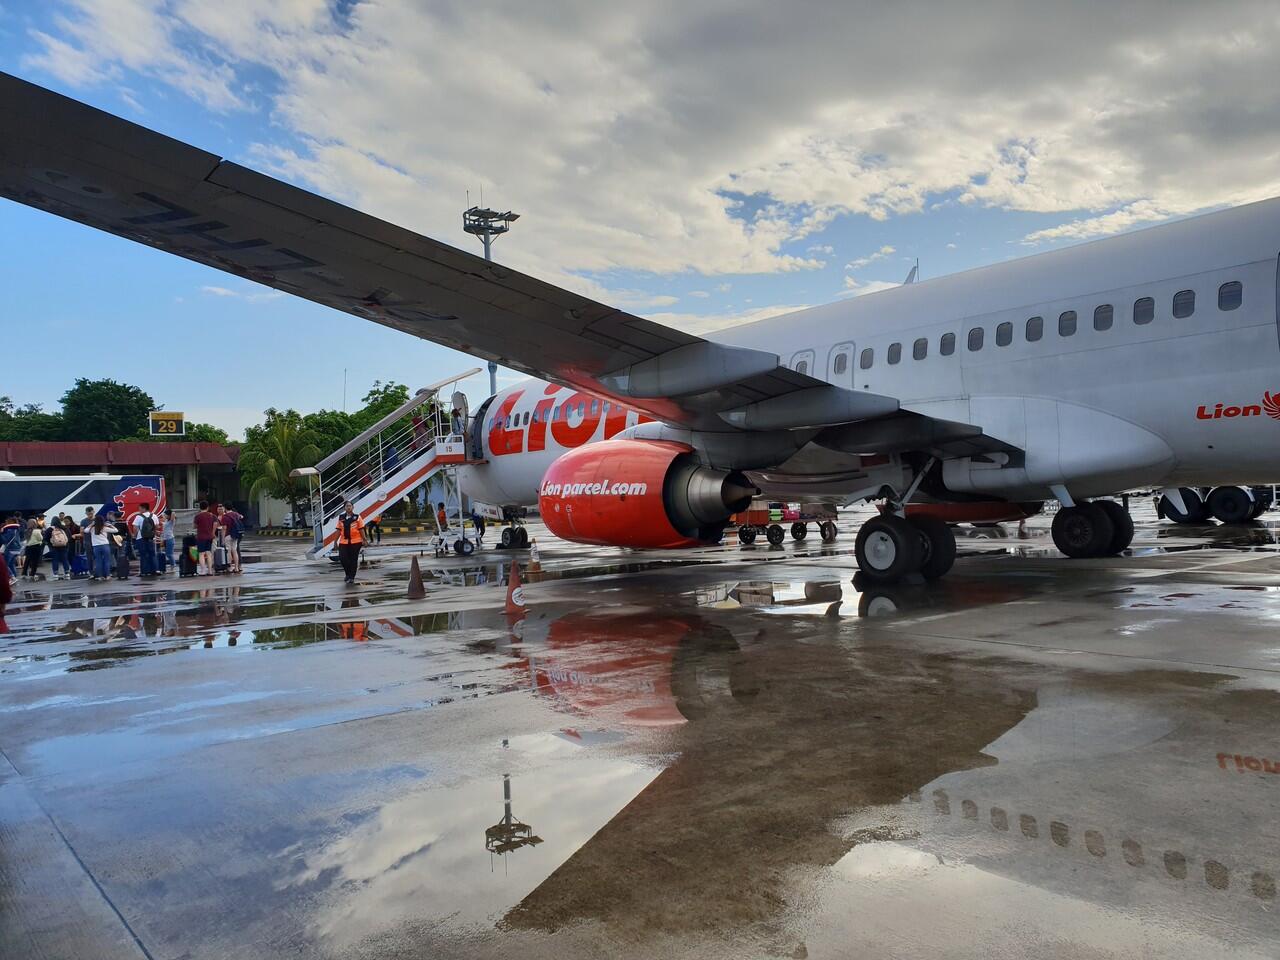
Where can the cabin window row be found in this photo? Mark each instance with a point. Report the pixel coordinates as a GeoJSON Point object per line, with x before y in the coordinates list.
{"type": "Point", "coordinates": [1230, 297]}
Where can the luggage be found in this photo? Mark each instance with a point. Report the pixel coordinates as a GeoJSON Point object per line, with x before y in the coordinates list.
{"type": "Point", "coordinates": [187, 559]}
{"type": "Point", "coordinates": [122, 565]}
{"type": "Point", "coordinates": [79, 565]}
{"type": "Point", "coordinates": [221, 558]}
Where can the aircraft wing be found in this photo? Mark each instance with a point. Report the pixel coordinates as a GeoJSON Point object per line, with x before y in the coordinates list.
{"type": "Point", "coordinates": [69, 159]}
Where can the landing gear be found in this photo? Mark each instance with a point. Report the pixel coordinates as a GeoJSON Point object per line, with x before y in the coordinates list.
{"type": "Point", "coordinates": [799, 531]}
{"type": "Point", "coordinates": [1231, 504]}
{"type": "Point", "coordinates": [888, 548]}
{"type": "Point", "coordinates": [514, 538]}
{"type": "Point", "coordinates": [1259, 508]}
{"type": "Point", "coordinates": [746, 535]}
{"type": "Point", "coordinates": [827, 531]}
{"type": "Point", "coordinates": [775, 534]}
{"type": "Point", "coordinates": [1122, 524]}
{"type": "Point", "coordinates": [937, 546]}
{"type": "Point", "coordinates": [1196, 511]}
{"type": "Point", "coordinates": [1085, 530]}
{"type": "Point", "coordinates": [463, 547]}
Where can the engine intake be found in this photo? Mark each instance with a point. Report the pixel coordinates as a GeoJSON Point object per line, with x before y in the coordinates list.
{"type": "Point", "coordinates": [639, 493]}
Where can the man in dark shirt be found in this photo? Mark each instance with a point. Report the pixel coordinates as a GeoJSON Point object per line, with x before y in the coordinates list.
{"type": "Point", "coordinates": [205, 522]}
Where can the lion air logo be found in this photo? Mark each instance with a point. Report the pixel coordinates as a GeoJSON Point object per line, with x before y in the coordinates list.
{"type": "Point", "coordinates": [129, 501]}
{"type": "Point", "coordinates": [1270, 405]}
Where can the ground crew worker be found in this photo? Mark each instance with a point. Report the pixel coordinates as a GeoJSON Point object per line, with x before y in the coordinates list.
{"type": "Point", "coordinates": [350, 539]}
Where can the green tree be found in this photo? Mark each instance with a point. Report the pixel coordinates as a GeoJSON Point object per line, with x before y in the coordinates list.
{"type": "Point", "coordinates": [273, 450]}
{"type": "Point", "coordinates": [104, 410]}
{"type": "Point", "coordinates": [28, 422]}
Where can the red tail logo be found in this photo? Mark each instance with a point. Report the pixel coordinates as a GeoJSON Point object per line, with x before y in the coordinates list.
{"type": "Point", "coordinates": [1271, 404]}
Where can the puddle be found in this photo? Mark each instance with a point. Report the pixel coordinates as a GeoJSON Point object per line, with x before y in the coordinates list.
{"type": "Point", "coordinates": [832, 598]}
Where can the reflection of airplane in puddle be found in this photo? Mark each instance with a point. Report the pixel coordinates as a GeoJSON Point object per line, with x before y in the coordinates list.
{"type": "Point", "coordinates": [830, 598]}
{"type": "Point", "coordinates": [1062, 786]}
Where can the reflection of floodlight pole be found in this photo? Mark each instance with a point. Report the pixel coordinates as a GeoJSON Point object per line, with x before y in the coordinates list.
{"type": "Point", "coordinates": [488, 225]}
{"type": "Point", "coordinates": [508, 834]}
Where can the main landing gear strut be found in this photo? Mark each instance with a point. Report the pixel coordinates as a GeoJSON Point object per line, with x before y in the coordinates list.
{"type": "Point", "coordinates": [893, 546]}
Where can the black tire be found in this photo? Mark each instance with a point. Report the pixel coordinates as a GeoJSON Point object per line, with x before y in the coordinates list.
{"type": "Point", "coordinates": [1197, 512]}
{"type": "Point", "coordinates": [887, 549]}
{"type": "Point", "coordinates": [522, 537]}
{"type": "Point", "coordinates": [775, 534]}
{"type": "Point", "coordinates": [1230, 504]}
{"type": "Point", "coordinates": [746, 535]}
{"type": "Point", "coordinates": [828, 531]}
{"type": "Point", "coordinates": [466, 547]}
{"type": "Point", "coordinates": [1084, 530]}
{"type": "Point", "coordinates": [1123, 524]}
{"type": "Point", "coordinates": [457, 547]}
{"type": "Point", "coordinates": [508, 537]}
{"type": "Point", "coordinates": [937, 544]}
{"type": "Point", "coordinates": [799, 531]}
{"type": "Point", "coordinates": [1259, 508]}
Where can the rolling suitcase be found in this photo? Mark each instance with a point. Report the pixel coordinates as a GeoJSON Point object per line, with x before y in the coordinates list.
{"type": "Point", "coordinates": [79, 566]}
{"type": "Point", "coordinates": [221, 558]}
{"type": "Point", "coordinates": [187, 558]}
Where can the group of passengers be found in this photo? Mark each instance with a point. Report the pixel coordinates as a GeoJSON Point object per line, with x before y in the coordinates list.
{"type": "Point", "coordinates": [103, 544]}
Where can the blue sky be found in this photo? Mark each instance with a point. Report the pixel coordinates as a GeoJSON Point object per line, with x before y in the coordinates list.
{"type": "Point", "coordinates": [696, 166]}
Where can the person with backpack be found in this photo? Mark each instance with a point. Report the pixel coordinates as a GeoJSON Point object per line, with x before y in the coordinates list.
{"type": "Point", "coordinates": [33, 551]}
{"type": "Point", "coordinates": [350, 540]}
{"type": "Point", "coordinates": [59, 544]}
{"type": "Point", "coordinates": [232, 527]}
{"type": "Point", "coordinates": [144, 541]}
{"type": "Point", "coordinates": [205, 523]}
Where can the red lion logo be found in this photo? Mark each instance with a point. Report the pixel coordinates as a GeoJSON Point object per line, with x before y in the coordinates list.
{"type": "Point", "coordinates": [1271, 404]}
{"type": "Point", "coordinates": [129, 501]}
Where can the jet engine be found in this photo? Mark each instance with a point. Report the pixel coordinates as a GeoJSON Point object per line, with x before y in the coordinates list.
{"type": "Point", "coordinates": [639, 493]}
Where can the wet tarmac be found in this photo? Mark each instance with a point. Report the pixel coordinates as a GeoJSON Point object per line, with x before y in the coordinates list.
{"type": "Point", "coordinates": [732, 752]}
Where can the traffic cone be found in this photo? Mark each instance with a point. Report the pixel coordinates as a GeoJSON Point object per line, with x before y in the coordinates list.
{"type": "Point", "coordinates": [515, 594]}
{"type": "Point", "coordinates": [416, 590]}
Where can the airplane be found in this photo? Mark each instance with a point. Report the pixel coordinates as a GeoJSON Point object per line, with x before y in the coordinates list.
{"type": "Point", "coordinates": [1149, 359]}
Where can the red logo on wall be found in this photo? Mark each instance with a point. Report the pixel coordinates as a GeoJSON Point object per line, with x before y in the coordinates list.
{"type": "Point", "coordinates": [1271, 403]}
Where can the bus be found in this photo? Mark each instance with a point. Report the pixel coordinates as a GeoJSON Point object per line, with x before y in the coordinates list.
{"type": "Point", "coordinates": [29, 496]}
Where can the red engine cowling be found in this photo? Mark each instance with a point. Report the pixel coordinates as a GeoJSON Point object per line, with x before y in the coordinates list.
{"type": "Point", "coordinates": [639, 493]}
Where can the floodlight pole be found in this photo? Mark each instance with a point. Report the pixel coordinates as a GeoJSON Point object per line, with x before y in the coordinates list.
{"type": "Point", "coordinates": [488, 225]}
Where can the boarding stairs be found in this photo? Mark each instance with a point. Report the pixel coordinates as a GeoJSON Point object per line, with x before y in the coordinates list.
{"type": "Point", "coordinates": [390, 460]}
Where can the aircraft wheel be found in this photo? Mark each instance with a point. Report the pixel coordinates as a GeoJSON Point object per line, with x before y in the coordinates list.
{"type": "Point", "coordinates": [508, 537]}
{"type": "Point", "coordinates": [522, 537]}
{"type": "Point", "coordinates": [465, 547]}
{"type": "Point", "coordinates": [1230, 504]}
{"type": "Point", "coordinates": [887, 549]}
{"type": "Point", "coordinates": [828, 531]}
{"type": "Point", "coordinates": [1259, 508]}
{"type": "Point", "coordinates": [799, 531]}
{"type": "Point", "coordinates": [937, 544]}
{"type": "Point", "coordinates": [1084, 530]}
{"type": "Point", "coordinates": [775, 534]}
{"type": "Point", "coordinates": [746, 535]}
{"type": "Point", "coordinates": [1196, 510]}
{"type": "Point", "coordinates": [1123, 524]}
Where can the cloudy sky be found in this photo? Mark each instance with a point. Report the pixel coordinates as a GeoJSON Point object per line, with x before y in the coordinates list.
{"type": "Point", "coordinates": [698, 163]}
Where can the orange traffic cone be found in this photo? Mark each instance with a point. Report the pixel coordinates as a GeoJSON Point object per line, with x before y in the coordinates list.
{"type": "Point", "coordinates": [416, 590]}
{"type": "Point", "coordinates": [515, 593]}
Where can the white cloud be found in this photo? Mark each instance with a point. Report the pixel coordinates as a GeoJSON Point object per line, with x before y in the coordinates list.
{"type": "Point", "coordinates": [639, 137]}
{"type": "Point", "coordinates": [252, 296]}
{"type": "Point", "coordinates": [700, 294]}
{"type": "Point", "coordinates": [870, 258]}
{"type": "Point", "coordinates": [858, 288]}
{"type": "Point", "coordinates": [703, 324]}
{"type": "Point", "coordinates": [951, 246]}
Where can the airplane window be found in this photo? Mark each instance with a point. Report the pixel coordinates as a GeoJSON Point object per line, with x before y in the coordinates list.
{"type": "Point", "coordinates": [975, 339]}
{"type": "Point", "coordinates": [895, 352]}
{"type": "Point", "coordinates": [947, 345]}
{"type": "Point", "coordinates": [595, 407]}
{"type": "Point", "coordinates": [1144, 311]}
{"type": "Point", "coordinates": [920, 349]}
{"type": "Point", "coordinates": [1184, 303]}
{"type": "Point", "coordinates": [1004, 334]}
{"type": "Point", "coordinates": [802, 366]}
{"type": "Point", "coordinates": [1035, 329]}
{"type": "Point", "coordinates": [868, 357]}
{"type": "Point", "coordinates": [1230, 295]}
{"type": "Point", "coordinates": [582, 408]}
{"type": "Point", "coordinates": [1067, 323]}
{"type": "Point", "coordinates": [526, 419]}
{"type": "Point", "coordinates": [842, 363]}
{"type": "Point", "coordinates": [508, 424]}
{"type": "Point", "coordinates": [1103, 317]}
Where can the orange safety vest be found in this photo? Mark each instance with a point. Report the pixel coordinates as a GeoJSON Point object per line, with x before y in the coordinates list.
{"type": "Point", "coordinates": [354, 535]}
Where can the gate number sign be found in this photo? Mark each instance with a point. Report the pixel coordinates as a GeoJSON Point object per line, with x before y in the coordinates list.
{"type": "Point", "coordinates": [167, 423]}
